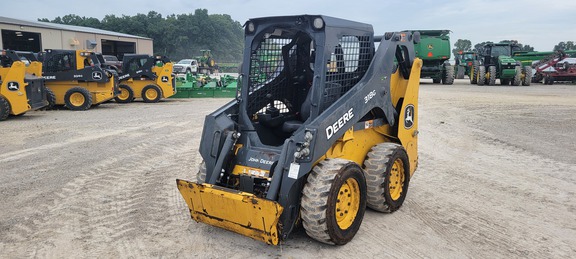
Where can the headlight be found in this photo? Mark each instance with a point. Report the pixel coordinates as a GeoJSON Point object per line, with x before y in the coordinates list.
{"type": "Point", "coordinates": [318, 23]}
{"type": "Point", "coordinates": [251, 27]}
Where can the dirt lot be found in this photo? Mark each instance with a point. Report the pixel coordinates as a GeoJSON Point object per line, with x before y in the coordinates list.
{"type": "Point", "coordinates": [497, 178]}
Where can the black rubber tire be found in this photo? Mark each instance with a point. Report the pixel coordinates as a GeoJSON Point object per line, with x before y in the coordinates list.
{"type": "Point", "coordinates": [474, 73]}
{"type": "Point", "coordinates": [84, 92]}
{"type": "Point", "coordinates": [51, 98]}
{"type": "Point", "coordinates": [492, 75]}
{"type": "Point", "coordinates": [538, 78]}
{"type": "Point", "coordinates": [517, 77]}
{"type": "Point", "coordinates": [460, 71]}
{"type": "Point", "coordinates": [4, 108]}
{"type": "Point", "coordinates": [188, 71]}
{"type": "Point", "coordinates": [527, 73]}
{"type": "Point", "coordinates": [505, 81]}
{"type": "Point", "coordinates": [448, 78]}
{"type": "Point", "coordinates": [201, 175]}
{"type": "Point", "coordinates": [481, 75]}
{"type": "Point", "coordinates": [320, 198]}
{"type": "Point", "coordinates": [130, 97]}
{"type": "Point", "coordinates": [436, 80]}
{"type": "Point", "coordinates": [148, 99]}
{"type": "Point", "coordinates": [378, 169]}
{"type": "Point", "coordinates": [549, 80]}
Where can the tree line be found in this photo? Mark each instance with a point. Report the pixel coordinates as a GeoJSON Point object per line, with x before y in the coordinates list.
{"type": "Point", "coordinates": [466, 45]}
{"type": "Point", "coordinates": [176, 36]}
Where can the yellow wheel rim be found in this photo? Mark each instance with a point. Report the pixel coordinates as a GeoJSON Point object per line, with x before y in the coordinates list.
{"type": "Point", "coordinates": [348, 203]}
{"type": "Point", "coordinates": [151, 94]}
{"type": "Point", "coordinates": [396, 182]}
{"type": "Point", "coordinates": [77, 99]}
{"type": "Point", "coordinates": [124, 94]}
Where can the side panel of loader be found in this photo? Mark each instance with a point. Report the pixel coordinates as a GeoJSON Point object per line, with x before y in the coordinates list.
{"type": "Point", "coordinates": [356, 142]}
{"type": "Point", "coordinates": [13, 87]}
{"type": "Point", "coordinates": [100, 92]}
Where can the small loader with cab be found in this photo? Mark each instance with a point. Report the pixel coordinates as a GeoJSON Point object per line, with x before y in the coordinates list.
{"type": "Point", "coordinates": [146, 77]}
{"type": "Point", "coordinates": [21, 86]}
{"type": "Point", "coordinates": [324, 125]}
{"type": "Point", "coordinates": [77, 79]}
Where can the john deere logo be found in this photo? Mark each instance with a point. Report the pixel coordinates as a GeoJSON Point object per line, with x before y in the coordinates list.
{"type": "Point", "coordinates": [430, 46]}
{"type": "Point", "coordinates": [164, 79]}
{"type": "Point", "coordinates": [409, 116]}
{"type": "Point", "coordinates": [13, 86]}
{"type": "Point", "coordinates": [96, 75]}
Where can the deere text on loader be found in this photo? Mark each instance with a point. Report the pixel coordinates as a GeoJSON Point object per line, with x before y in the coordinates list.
{"type": "Point", "coordinates": [21, 87]}
{"type": "Point", "coordinates": [77, 79]}
{"type": "Point", "coordinates": [323, 126]}
{"type": "Point", "coordinates": [146, 77]}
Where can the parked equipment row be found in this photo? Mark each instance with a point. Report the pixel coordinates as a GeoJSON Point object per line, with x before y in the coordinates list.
{"type": "Point", "coordinates": [78, 80]}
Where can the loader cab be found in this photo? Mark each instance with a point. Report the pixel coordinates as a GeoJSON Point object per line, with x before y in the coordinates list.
{"type": "Point", "coordinates": [295, 70]}
{"type": "Point", "coordinates": [80, 65]}
{"type": "Point", "coordinates": [137, 65]}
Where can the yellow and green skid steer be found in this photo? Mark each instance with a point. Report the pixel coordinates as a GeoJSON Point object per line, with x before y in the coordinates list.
{"type": "Point", "coordinates": [324, 126]}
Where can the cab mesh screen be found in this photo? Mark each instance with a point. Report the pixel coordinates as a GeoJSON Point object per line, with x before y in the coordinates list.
{"type": "Point", "coordinates": [348, 63]}
{"type": "Point", "coordinates": [268, 79]}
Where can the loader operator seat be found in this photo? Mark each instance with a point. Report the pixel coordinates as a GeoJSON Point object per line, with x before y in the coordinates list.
{"type": "Point", "coordinates": [301, 77]}
{"type": "Point", "coordinates": [292, 125]}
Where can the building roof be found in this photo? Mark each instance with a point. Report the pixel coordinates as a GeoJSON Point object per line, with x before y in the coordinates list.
{"type": "Point", "coordinates": [57, 26]}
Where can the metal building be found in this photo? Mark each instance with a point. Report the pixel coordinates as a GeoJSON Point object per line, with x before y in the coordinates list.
{"type": "Point", "coordinates": [37, 36]}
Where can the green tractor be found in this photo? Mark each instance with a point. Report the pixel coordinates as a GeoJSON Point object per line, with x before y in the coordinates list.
{"type": "Point", "coordinates": [495, 61]}
{"type": "Point", "coordinates": [464, 62]}
{"type": "Point", "coordinates": [206, 63]}
{"type": "Point", "coordinates": [434, 50]}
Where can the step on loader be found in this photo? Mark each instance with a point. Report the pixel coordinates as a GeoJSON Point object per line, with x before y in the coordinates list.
{"type": "Point", "coordinates": [77, 79]}
{"type": "Point", "coordinates": [146, 77]}
{"type": "Point", "coordinates": [21, 85]}
{"type": "Point", "coordinates": [323, 126]}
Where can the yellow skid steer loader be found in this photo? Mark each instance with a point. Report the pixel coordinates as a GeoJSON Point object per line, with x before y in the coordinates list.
{"type": "Point", "coordinates": [324, 125]}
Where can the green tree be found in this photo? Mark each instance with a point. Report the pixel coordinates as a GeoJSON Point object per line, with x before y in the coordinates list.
{"type": "Point", "coordinates": [176, 36]}
{"type": "Point", "coordinates": [462, 45]}
{"type": "Point", "coordinates": [522, 46]}
{"type": "Point", "coordinates": [527, 48]}
{"type": "Point", "coordinates": [568, 45]}
{"type": "Point", "coordinates": [479, 47]}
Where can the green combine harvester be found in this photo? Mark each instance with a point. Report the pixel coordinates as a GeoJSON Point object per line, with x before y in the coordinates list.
{"type": "Point", "coordinates": [434, 50]}
{"type": "Point", "coordinates": [204, 86]}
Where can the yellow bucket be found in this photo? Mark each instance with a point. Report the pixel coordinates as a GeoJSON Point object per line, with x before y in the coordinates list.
{"type": "Point", "coordinates": [233, 210]}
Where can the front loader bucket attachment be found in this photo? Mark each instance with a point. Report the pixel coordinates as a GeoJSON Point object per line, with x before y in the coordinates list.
{"type": "Point", "coordinates": [236, 211]}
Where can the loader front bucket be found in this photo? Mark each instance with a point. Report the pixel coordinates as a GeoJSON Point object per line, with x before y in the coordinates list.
{"type": "Point", "coordinates": [236, 211]}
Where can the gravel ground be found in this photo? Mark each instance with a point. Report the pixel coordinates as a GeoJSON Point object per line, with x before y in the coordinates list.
{"type": "Point", "coordinates": [497, 178]}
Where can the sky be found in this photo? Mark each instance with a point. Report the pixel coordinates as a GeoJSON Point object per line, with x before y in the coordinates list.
{"type": "Point", "coordinates": [539, 23]}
